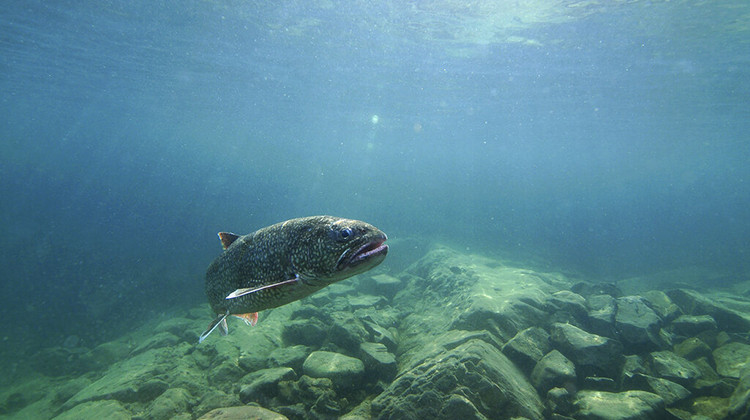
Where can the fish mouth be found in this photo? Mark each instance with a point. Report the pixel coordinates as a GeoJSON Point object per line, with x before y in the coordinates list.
{"type": "Point", "coordinates": [372, 252]}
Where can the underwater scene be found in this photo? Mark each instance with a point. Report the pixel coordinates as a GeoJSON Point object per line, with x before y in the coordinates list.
{"type": "Point", "coordinates": [221, 209]}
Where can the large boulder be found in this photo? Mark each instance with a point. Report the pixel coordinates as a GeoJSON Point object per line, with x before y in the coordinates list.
{"type": "Point", "coordinates": [628, 405]}
{"type": "Point", "coordinates": [637, 324]}
{"type": "Point", "coordinates": [694, 303]}
{"type": "Point", "coordinates": [473, 380]}
{"type": "Point", "coordinates": [343, 371]}
{"type": "Point", "coordinates": [592, 354]}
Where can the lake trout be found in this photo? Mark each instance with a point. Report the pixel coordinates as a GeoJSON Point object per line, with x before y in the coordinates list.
{"type": "Point", "coordinates": [285, 262]}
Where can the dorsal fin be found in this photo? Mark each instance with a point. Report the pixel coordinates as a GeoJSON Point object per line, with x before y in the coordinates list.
{"type": "Point", "coordinates": [227, 238]}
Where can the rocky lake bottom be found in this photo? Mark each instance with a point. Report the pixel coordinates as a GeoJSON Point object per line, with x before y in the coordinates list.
{"type": "Point", "coordinates": [453, 336]}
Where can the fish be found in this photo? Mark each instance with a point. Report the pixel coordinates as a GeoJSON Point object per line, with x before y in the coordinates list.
{"type": "Point", "coordinates": [285, 262]}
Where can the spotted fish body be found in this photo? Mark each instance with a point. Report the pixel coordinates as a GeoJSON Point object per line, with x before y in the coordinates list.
{"type": "Point", "coordinates": [287, 261]}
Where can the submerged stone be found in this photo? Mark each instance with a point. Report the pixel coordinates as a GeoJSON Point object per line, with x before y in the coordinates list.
{"type": "Point", "coordinates": [527, 347]}
{"type": "Point", "coordinates": [378, 360]}
{"type": "Point", "coordinates": [628, 405]}
{"type": "Point", "coordinates": [475, 370]}
{"type": "Point", "coordinates": [602, 315]}
{"type": "Point", "coordinates": [692, 348]}
{"type": "Point", "coordinates": [731, 358]}
{"type": "Point", "coordinates": [553, 370]}
{"type": "Point", "coordinates": [691, 325]}
{"type": "Point", "coordinates": [637, 324]}
{"type": "Point", "coordinates": [674, 368]}
{"type": "Point", "coordinates": [264, 383]}
{"type": "Point", "coordinates": [592, 354]}
{"type": "Point", "coordinates": [108, 409]}
{"type": "Point", "coordinates": [242, 413]}
{"type": "Point", "coordinates": [662, 305]}
{"type": "Point", "coordinates": [693, 303]}
{"type": "Point", "coordinates": [343, 371]}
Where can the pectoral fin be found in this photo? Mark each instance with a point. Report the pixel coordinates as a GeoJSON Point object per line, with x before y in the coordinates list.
{"type": "Point", "coordinates": [220, 320]}
{"type": "Point", "coordinates": [242, 292]}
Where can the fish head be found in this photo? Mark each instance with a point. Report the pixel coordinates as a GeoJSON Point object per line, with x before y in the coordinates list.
{"type": "Point", "coordinates": [332, 249]}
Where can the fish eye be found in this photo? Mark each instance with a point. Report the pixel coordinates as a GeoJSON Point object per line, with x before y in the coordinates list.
{"type": "Point", "coordinates": [345, 233]}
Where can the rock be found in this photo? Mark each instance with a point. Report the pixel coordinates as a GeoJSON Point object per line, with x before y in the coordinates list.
{"type": "Point", "coordinates": [348, 332]}
{"type": "Point", "coordinates": [662, 305]}
{"type": "Point", "coordinates": [559, 401]}
{"type": "Point", "coordinates": [382, 284]}
{"type": "Point", "coordinates": [343, 371]}
{"type": "Point", "coordinates": [367, 301]}
{"type": "Point", "coordinates": [635, 405]}
{"type": "Point", "coordinates": [459, 407]}
{"type": "Point", "coordinates": [378, 361]}
{"type": "Point", "coordinates": [592, 354]}
{"type": "Point", "coordinates": [633, 370]}
{"type": "Point", "coordinates": [172, 402]}
{"type": "Point", "coordinates": [129, 381]}
{"type": "Point", "coordinates": [693, 303]}
{"type": "Point", "coordinates": [599, 383]}
{"type": "Point", "coordinates": [711, 407]}
{"type": "Point", "coordinates": [566, 306]}
{"type": "Point", "coordinates": [553, 370]}
{"type": "Point", "coordinates": [162, 339]}
{"type": "Point", "coordinates": [315, 394]}
{"type": "Point", "coordinates": [475, 370]}
{"type": "Point", "coordinates": [731, 358]}
{"type": "Point", "coordinates": [692, 325]}
{"type": "Point", "coordinates": [637, 324]}
{"type": "Point", "coordinates": [739, 402]}
{"type": "Point", "coordinates": [674, 368]}
{"type": "Point", "coordinates": [181, 327]}
{"type": "Point", "coordinates": [601, 315]}
{"type": "Point", "coordinates": [671, 392]}
{"type": "Point", "coordinates": [692, 348]}
{"type": "Point", "coordinates": [307, 332]}
{"type": "Point", "coordinates": [212, 399]}
{"type": "Point", "coordinates": [292, 357]}
{"type": "Point", "coordinates": [381, 335]}
{"type": "Point", "coordinates": [590, 289]}
{"type": "Point", "coordinates": [107, 409]}
{"type": "Point", "coordinates": [262, 384]}
{"type": "Point", "coordinates": [527, 347]}
{"type": "Point", "coordinates": [242, 413]}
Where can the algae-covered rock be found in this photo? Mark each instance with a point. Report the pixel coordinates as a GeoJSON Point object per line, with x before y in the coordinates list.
{"type": "Point", "coordinates": [592, 354]}
{"type": "Point", "coordinates": [691, 325]}
{"type": "Point", "coordinates": [671, 392]}
{"type": "Point", "coordinates": [486, 380]}
{"type": "Point", "coordinates": [692, 348]}
{"type": "Point", "coordinates": [107, 409]}
{"type": "Point", "coordinates": [382, 284]}
{"type": "Point", "coordinates": [213, 398]}
{"type": "Point", "coordinates": [292, 357]}
{"type": "Point", "coordinates": [162, 339]}
{"type": "Point", "coordinates": [343, 371]}
{"type": "Point", "coordinates": [348, 332]}
{"type": "Point", "coordinates": [601, 314]}
{"type": "Point", "coordinates": [242, 413]}
{"type": "Point", "coordinates": [628, 405]}
{"type": "Point", "coordinates": [172, 402]}
{"type": "Point", "coordinates": [693, 303]}
{"type": "Point", "coordinates": [662, 305]}
{"type": "Point", "coordinates": [378, 361]}
{"type": "Point", "coordinates": [258, 386]}
{"type": "Point", "coordinates": [527, 347]}
{"type": "Point", "coordinates": [637, 324]}
{"type": "Point", "coordinates": [307, 332]}
{"type": "Point", "coordinates": [731, 358]}
{"type": "Point", "coordinates": [553, 370]}
{"type": "Point", "coordinates": [739, 402]}
{"type": "Point", "coordinates": [129, 381]}
{"type": "Point", "coordinates": [670, 366]}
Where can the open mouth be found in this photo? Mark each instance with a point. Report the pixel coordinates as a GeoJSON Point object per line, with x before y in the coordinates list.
{"type": "Point", "coordinates": [373, 251]}
{"type": "Point", "coordinates": [368, 250]}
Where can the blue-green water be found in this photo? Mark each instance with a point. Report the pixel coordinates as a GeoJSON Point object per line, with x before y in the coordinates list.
{"type": "Point", "coordinates": [605, 138]}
